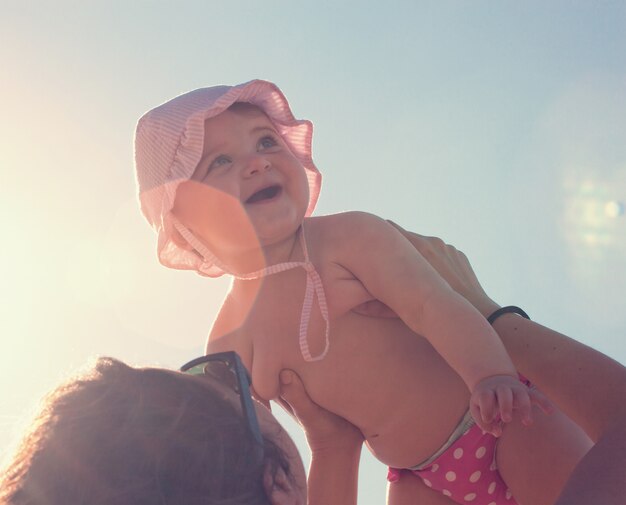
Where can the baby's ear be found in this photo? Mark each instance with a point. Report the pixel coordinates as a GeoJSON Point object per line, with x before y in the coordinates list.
{"type": "Point", "coordinates": [180, 241]}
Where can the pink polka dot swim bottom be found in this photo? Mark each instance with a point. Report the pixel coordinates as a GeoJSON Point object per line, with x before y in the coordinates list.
{"type": "Point", "coordinates": [465, 470]}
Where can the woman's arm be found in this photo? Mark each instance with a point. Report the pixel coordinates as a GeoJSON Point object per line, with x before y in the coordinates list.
{"type": "Point", "coordinates": [334, 442]}
{"type": "Point", "coordinates": [587, 385]}
{"type": "Point", "coordinates": [600, 477]}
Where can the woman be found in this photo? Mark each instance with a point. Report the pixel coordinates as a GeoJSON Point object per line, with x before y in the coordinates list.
{"type": "Point", "coordinates": [133, 436]}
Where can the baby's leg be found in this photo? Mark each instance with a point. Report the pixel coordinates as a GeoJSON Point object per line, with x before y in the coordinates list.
{"type": "Point", "coordinates": [536, 461]}
{"type": "Point", "coordinates": [411, 490]}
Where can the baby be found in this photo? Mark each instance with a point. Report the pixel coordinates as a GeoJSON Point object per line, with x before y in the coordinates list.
{"type": "Point", "coordinates": [227, 180]}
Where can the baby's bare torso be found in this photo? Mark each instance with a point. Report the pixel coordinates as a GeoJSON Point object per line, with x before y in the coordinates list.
{"type": "Point", "coordinates": [378, 374]}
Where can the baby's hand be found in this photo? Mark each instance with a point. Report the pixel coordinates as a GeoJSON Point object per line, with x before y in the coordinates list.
{"type": "Point", "coordinates": [495, 398]}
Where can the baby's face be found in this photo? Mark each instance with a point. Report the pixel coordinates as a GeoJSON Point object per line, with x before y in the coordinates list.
{"type": "Point", "coordinates": [248, 190]}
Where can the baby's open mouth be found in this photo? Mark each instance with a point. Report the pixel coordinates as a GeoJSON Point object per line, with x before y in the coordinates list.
{"type": "Point", "coordinates": [265, 194]}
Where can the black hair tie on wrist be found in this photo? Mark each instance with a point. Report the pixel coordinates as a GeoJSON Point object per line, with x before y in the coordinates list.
{"type": "Point", "coordinates": [506, 310]}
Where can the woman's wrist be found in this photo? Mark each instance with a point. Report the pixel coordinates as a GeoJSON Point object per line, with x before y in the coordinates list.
{"type": "Point", "coordinates": [333, 476]}
{"type": "Point", "coordinates": [346, 452]}
{"type": "Point", "coordinates": [340, 457]}
{"type": "Point", "coordinates": [486, 307]}
{"type": "Point", "coordinates": [509, 309]}
{"type": "Point", "coordinates": [350, 441]}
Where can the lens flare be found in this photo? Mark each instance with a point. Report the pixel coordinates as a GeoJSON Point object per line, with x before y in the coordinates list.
{"type": "Point", "coordinates": [614, 209]}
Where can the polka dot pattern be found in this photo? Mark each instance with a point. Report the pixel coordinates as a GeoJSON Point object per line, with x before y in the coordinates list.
{"type": "Point", "coordinates": [467, 473]}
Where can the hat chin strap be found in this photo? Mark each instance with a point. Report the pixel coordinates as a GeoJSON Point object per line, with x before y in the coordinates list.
{"type": "Point", "coordinates": [208, 257]}
{"type": "Point", "coordinates": [313, 289]}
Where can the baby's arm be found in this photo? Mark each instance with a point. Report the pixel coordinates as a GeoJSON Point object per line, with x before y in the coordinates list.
{"type": "Point", "coordinates": [589, 386]}
{"type": "Point", "coordinates": [396, 274]}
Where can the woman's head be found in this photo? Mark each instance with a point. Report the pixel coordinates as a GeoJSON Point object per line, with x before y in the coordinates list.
{"type": "Point", "coordinates": [143, 436]}
{"type": "Point", "coordinates": [169, 144]}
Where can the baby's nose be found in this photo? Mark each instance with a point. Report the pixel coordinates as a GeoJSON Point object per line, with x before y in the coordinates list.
{"type": "Point", "coordinates": [257, 163]}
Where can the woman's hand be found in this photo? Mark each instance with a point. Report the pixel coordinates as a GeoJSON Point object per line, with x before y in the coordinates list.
{"type": "Point", "coordinates": [324, 430]}
{"type": "Point", "coordinates": [453, 266]}
{"type": "Point", "coordinates": [334, 442]}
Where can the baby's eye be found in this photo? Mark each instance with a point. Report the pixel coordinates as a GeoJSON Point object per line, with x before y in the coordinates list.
{"type": "Point", "coordinates": [267, 142]}
{"type": "Point", "coordinates": [219, 161]}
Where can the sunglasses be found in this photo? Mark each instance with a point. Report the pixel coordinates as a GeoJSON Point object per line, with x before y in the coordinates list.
{"type": "Point", "coordinates": [227, 368]}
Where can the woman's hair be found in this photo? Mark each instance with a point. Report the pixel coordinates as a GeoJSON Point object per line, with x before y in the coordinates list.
{"type": "Point", "coordinates": [123, 435]}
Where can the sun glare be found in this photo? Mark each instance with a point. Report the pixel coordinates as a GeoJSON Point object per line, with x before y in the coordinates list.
{"type": "Point", "coordinates": [594, 228]}
{"type": "Point", "coordinates": [590, 217]}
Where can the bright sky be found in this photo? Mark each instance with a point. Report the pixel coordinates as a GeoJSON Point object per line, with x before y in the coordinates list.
{"type": "Point", "coordinates": [499, 126]}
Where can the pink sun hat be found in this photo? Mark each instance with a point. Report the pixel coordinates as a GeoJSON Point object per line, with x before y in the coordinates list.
{"type": "Point", "coordinates": [168, 146]}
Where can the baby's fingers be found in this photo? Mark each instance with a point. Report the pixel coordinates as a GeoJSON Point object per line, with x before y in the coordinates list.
{"type": "Point", "coordinates": [541, 400]}
{"type": "Point", "coordinates": [478, 418]}
{"type": "Point", "coordinates": [483, 408]}
{"type": "Point", "coordinates": [504, 397]}
{"type": "Point", "coordinates": [522, 404]}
